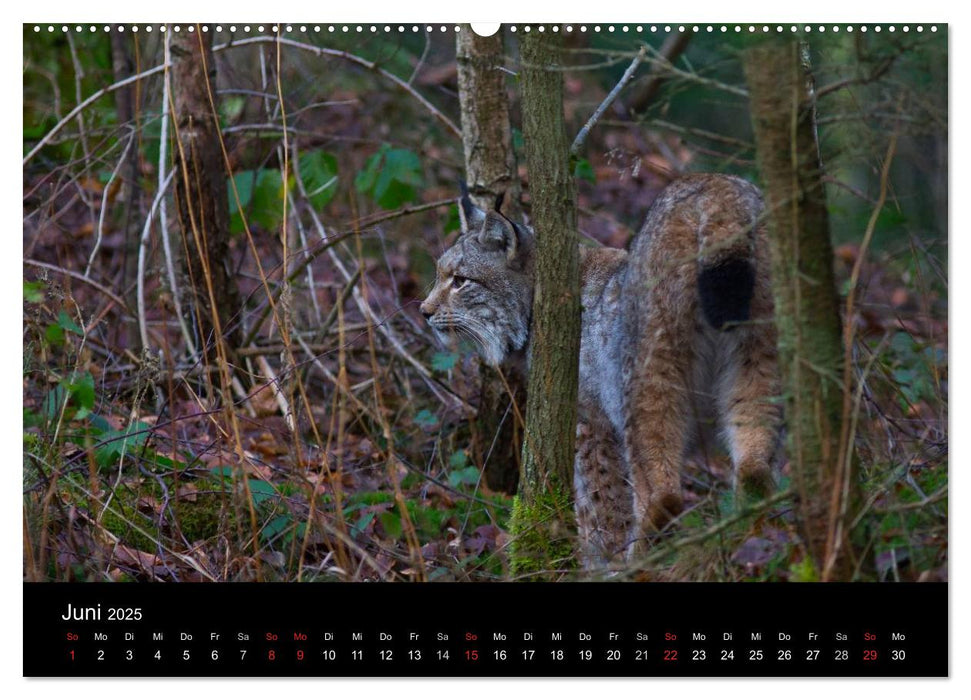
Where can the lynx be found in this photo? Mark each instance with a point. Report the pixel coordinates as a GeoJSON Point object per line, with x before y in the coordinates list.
{"type": "Point", "coordinates": [677, 337]}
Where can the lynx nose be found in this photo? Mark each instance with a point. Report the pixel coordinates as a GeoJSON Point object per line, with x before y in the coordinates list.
{"type": "Point", "coordinates": [426, 311]}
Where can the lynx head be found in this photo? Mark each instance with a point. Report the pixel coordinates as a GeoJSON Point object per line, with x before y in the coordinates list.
{"type": "Point", "coordinates": [484, 284]}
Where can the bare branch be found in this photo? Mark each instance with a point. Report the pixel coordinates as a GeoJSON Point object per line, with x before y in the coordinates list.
{"type": "Point", "coordinates": [363, 62]}
{"type": "Point", "coordinates": [628, 74]}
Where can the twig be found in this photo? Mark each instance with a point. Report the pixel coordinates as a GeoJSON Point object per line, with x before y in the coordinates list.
{"type": "Point", "coordinates": [163, 162]}
{"type": "Point", "coordinates": [82, 130]}
{"type": "Point", "coordinates": [670, 50]}
{"type": "Point", "coordinates": [274, 384]}
{"type": "Point", "coordinates": [421, 61]}
{"type": "Point", "coordinates": [690, 131]}
{"type": "Point", "coordinates": [303, 235]}
{"type": "Point", "coordinates": [84, 105]}
{"type": "Point", "coordinates": [715, 529]}
{"type": "Point", "coordinates": [611, 96]}
{"type": "Point", "coordinates": [363, 62]}
{"type": "Point", "coordinates": [104, 204]}
{"type": "Point", "coordinates": [78, 276]}
{"type": "Point", "coordinates": [667, 67]}
{"type": "Point", "coordinates": [142, 247]}
{"type": "Point", "coordinates": [368, 221]}
{"type": "Point", "coordinates": [275, 297]}
{"type": "Point", "coordinates": [839, 498]}
{"type": "Point", "coordinates": [877, 73]}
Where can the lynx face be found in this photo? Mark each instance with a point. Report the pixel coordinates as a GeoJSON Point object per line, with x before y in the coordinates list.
{"type": "Point", "coordinates": [483, 289]}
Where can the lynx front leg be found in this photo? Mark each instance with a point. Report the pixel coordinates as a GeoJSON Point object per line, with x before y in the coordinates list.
{"type": "Point", "coordinates": [603, 499]}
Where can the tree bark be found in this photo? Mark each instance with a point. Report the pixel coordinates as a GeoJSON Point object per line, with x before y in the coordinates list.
{"type": "Point", "coordinates": [200, 190]}
{"type": "Point", "coordinates": [490, 170]}
{"type": "Point", "coordinates": [811, 352]}
{"type": "Point", "coordinates": [543, 523]}
{"type": "Point", "coordinates": [490, 161]}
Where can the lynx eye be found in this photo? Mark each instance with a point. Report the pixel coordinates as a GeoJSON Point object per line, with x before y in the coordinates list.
{"type": "Point", "coordinates": [458, 281]}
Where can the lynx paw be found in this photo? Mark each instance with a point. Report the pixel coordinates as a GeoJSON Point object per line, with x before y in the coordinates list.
{"type": "Point", "coordinates": [755, 479]}
{"type": "Point", "coordinates": [658, 509]}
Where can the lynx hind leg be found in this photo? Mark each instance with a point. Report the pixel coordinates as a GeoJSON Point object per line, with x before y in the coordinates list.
{"type": "Point", "coordinates": [603, 498]}
{"type": "Point", "coordinates": [656, 408]}
{"type": "Point", "coordinates": [750, 412]}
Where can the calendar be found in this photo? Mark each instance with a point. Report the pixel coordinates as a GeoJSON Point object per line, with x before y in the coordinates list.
{"type": "Point", "coordinates": [432, 349]}
{"type": "Point", "coordinates": [509, 630]}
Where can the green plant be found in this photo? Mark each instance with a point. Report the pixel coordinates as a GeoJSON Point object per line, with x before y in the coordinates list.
{"type": "Point", "coordinates": [391, 177]}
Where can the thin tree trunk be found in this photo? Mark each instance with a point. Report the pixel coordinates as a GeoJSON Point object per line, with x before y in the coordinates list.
{"type": "Point", "coordinates": [490, 170]}
{"type": "Point", "coordinates": [200, 190]}
{"type": "Point", "coordinates": [543, 524]}
{"type": "Point", "coordinates": [811, 352]}
{"type": "Point", "coordinates": [122, 67]}
{"type": "Point", "coordinates": [490, 162]}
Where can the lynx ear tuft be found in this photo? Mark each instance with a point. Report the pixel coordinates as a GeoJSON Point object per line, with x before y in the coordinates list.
{"type": "Point", "coordinates": [473, 215]}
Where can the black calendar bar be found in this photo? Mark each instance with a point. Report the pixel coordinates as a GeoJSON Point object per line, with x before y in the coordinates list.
{"type": "Point", "coordinates": [503, 629]}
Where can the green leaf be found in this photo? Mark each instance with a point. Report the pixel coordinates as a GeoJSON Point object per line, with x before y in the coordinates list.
{"type": "Point", "coordinates": [276, 525]}
{"type": "Point", "coordinates": [260, 199]}
{"type": "Point", "coordinates": [319, 173]}
{"type": "Point", "coordinates": [467, 476]}
{"type": "Point", "coordinates": [364, 180]}
{"type": "Point", "coordinates": [803, 571]}
{"type": "Point", "coordinates": [358, 527]}
{"type": "Point", "coordinates": [54, 335]}
{"type": "Point", "coordinates": [444, 361]}
{"type": "Point", "coordinates": [52, 403]}
{"type": "Point", "coordinates": [230, 108]}
{"type": "Point", "coordinates": [391, 522]}
{"type": "Point", "coordinates": [458, 460]}
{"type": "Point", "coordinates": [584, 171]}
{"type": "Point", "coordinates": [452, 222]}
{"type": "Point", "coordinates": [99, 423]}
{"type": "Point", "coordinates": [119, 442]}
{"type": "Point", "coordinates": [391, 177]}
{"type": "Point", "coordinates": [261, 490]}
{"type": "Point", "coordinates": [68, 324]}
{"type": "Point", "coordinates": [82, 394]}
{"type": "Point", "coordinates": [33, 292]}
{"type": "Point", "coordinates": [426, 419]}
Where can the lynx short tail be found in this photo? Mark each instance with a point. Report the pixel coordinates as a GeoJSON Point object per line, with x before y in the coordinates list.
{"type": "Point", "coordinates": [728, 217]}
{"type": "Point", "coordinates": [725, 290]}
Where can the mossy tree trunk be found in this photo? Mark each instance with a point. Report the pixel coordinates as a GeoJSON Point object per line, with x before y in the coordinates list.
{"type": "Point", "coordinates": [200, 191]}
{"type": "Point", "coordinates": [543, 523]}
{"type": "Point", "coordinates": [811, 351]}
{"type": "Point", "coordinates": [490, 170]}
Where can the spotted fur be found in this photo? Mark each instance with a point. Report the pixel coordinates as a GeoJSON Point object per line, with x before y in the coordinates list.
{"type": "Point", "coordinates": [677, 335]}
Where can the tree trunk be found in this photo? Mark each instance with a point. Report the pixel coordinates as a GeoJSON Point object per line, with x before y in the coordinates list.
{"type": "Point", "coordinates": [811, 353]}
{"type": "Point", "coordinates": [123, 67]}
{"type": "Point", "coordinates": [490, 170]}
{"type": "Point", "coordinates": [543, 523]}
{"type": "Point", "coordinates": [200, 190]}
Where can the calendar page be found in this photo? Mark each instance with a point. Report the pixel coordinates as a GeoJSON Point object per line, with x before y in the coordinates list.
{"type": "Point", "coordinates": [515, 350]}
